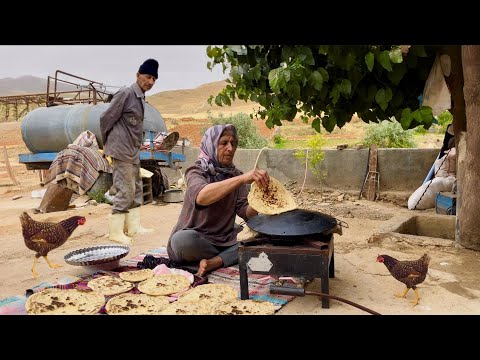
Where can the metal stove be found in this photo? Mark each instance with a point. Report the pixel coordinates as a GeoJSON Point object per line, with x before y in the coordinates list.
{"type": "Point", "coordinates": [306, 256]}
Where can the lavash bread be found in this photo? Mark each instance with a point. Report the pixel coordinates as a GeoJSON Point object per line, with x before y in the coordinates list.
{"type": "Point", "coordinates": [164, 284]}
{"type": "Point", "coordinates": [64, 302]}
{"type": "Point", "coordinates": [213, 293]}
{"type": "Point", "coordinates": [137, 275]}
{"type": "Point", "coordinates": [188, 308]}
{"type": "Point", "coordinates": [109, 285]}
{"type": "Point", "coordinates": [244, 307]}
{"type": "Point", "coordinates": [271, 200]}
{"type": "Point", "coordinates": [136, 304]}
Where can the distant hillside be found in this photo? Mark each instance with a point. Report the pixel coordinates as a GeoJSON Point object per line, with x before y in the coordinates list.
{"type": "Point", "coordinates": [25, 85]}
{"type": "Point", "coordinates": [193, 102]}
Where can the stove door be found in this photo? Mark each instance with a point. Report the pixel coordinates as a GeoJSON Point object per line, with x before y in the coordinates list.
{"type": "Point", "coordinates": [293, 223]}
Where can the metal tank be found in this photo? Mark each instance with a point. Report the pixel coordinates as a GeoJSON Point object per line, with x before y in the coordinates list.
{"type": "Point", "coordinates": [52, 129]}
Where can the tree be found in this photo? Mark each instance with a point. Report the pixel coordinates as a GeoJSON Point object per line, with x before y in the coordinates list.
{"type": "Point", "coordinates": [329, 84]}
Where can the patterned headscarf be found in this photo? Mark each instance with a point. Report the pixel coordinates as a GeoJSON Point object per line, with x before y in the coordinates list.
{"type": "Point", "coordinates": [207, 159]}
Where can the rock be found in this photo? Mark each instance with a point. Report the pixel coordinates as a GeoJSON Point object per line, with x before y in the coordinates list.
{"type": "Point", "coordinates": [15, 197]}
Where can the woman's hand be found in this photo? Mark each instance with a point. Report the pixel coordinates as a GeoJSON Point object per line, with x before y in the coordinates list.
{"type": "Point", "coordinates": [259, 176]}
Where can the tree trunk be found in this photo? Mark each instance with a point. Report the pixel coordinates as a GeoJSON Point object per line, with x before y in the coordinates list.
{"type": "Point", "coordinates": [455, 84]}
{"type": "Point", "coordinates": [470, 206]}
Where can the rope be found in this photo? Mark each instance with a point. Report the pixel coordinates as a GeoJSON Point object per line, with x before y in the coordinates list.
{"type": "Point", "coordinates": [258, 156]}
{"type": "Point", "coordinates": [434, 175]}
{"type": "Point", "coordinates": [305, 175]}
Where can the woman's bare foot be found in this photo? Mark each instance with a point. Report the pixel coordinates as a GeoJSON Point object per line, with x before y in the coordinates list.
{"type": "Point", "coordinates": [207, 265]}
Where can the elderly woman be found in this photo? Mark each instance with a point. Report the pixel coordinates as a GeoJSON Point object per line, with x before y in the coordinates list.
{"type": "Point", "coordinates": [205, 233]}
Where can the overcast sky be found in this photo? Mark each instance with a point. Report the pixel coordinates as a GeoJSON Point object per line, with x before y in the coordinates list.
{"type": "Point", "coordinates": [180, 66]}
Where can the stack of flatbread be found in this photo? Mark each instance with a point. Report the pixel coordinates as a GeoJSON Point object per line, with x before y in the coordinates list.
{"type": "Point", "coordinates": [272, 200]}
{"type": "Point", "coordinates": [165, 284]}
{"type": "Point", "coordinates": [244, 307]}
{"type": "Point", "coordinates": [136, 304]}
{"type": "Point", "coordinates": [201, 299]}
{"type": "Point", "coordinates": [64, 302]}
{"type": "Point", "coordinates": [137, 275]}
{"type": "Point", "coordinates": [109, 285]}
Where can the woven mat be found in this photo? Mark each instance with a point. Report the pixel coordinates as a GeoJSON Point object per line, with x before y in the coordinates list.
{"type": "Point", "coordinates": [258, 285]}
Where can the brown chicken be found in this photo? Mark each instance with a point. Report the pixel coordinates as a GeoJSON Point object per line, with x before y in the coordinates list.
{"type": "Point", "coordinates": [411, 273]}
{"type": "Point", "coordinates": [42, 237]}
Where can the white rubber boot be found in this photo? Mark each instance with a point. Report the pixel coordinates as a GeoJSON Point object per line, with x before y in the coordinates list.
{"type": "Point", "coordinates": [133, 223]}
{"type": "Point", "coordinates": [116, 223]}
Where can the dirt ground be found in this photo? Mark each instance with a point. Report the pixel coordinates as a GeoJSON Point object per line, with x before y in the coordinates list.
{"type": "Point", "coordinates": [451, 286]}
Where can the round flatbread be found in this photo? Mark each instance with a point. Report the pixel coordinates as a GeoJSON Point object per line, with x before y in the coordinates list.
{"type": "Point", "coordinates": [136, 304]}
{"type": "Point", "coordinates": [165, 284]}
{"type": "Point", "coordinates": [188, 308]}
{"type": "Point", "coordinates": [244, 307]}
{"type": "Point", "coordinates": [210, 292]}
{"type": "Point", "coordinates": [272, 200]}
{"type": "Point", "coordinates": [137, 275]}
{"type": "Point", "coordinates": [109, 285]}
{"type": "Point", "coordinates": [64, 302]}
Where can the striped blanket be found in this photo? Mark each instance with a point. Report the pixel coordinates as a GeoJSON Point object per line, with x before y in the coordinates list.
{"type": "Point", "coordinates": [78, 167]}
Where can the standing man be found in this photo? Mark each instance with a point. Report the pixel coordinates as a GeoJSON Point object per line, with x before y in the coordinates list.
{"type": "Point", "coordinates": [121, 126]}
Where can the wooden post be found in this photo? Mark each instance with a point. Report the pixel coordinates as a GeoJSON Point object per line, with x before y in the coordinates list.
{"type": "Point", "coordinates": [9, 168]}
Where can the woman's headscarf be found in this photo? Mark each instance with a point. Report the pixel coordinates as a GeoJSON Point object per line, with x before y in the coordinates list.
{"type": "Point", "coordinates": [207, 159]}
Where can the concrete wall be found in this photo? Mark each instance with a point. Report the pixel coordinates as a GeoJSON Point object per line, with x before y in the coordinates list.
{"type": "Point", "coordinates": [400, 169]}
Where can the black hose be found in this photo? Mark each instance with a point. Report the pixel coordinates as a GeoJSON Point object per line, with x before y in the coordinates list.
{"type": "Point", "coordinates": [301, 292]}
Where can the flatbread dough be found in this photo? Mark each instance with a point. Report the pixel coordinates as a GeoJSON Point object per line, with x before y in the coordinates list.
{"type": "Point", "coordinates": [165, 284]}
{"type": "Point", "coordinates": [64, 302]}
{"type": "Point", "coordinates": [109, 285]}
{"type": "Point", "coordinates": [273, 200]}
{"type": "Point", "coordinates": [211, 292]}
{"type": "Point", "coordinates": [188, 308]}
{"type": "Point", "coordinates": [136, 304]}
{"type": "Point", "coordinates": [244, 307]}
{"type": "Point", "coordinates": [137, 275]}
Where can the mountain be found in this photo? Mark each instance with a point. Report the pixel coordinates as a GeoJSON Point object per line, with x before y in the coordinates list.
{"type": "Point", "coordinates": [27, 85]}
{"type": "Point", "coordinates": [193, 102]}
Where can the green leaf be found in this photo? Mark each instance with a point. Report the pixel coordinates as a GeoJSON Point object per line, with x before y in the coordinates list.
{"type": "Point", "coordinates": [323, 49]}
{"type": "Point", "coordinates": [406, 118]}
{"type": "Point", "coordinates": [218, 100]}
{"type": "Point", "coordinates": [346, 87]}
{"type": "Point", "coordinates": [380, 96]}
{"type": "Point", "coordinates": [335, 94]}
{"type": "Point", "coordinates": [397, 74]}
{"type": "Point", "coordinates": [269, 123]}
{"type": "Point", "coordinates": [226, 100]}
{"type": "Point", "coordinates": [316, 80]}
{"type": "Point", "coordinates": [316, 124]}
{"type": "Point", "coordinates": [239, 49]}
{"type": "Point", "coordinates": [329, 122]}
{"type": "Point", "coordinates": [273, 79]}
{"type": "Point", "coordinates": [423, 115]}
{"type": "Point", "coordinates": [293, 89]}
{"type": "Point", "coordinates": [369, 60]}
{"type": "Point", "coordinates": [388, 94]}
{"type": "Point", "coordinates": [396, 56]}
{"type": "Point", "coordinates": [324, 74]}
{"type": "Point", "coordinates": [384, 60]}
{"type": "Point", "coordinates": [306, 55]}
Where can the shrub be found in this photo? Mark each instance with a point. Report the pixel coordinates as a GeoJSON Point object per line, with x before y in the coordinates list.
{"type": "Point", "coordinates": [248, 138]}
{"type": "Point", "coordinates": [444, 119]}
{"type": "Point", "coordinates": [315, 155]}
{"type": "Point", "coordinates": [388, 134]}
{"type": "Point", "coordinates": [279, 141]}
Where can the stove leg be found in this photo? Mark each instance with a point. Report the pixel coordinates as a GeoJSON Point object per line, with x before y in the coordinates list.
{"type": "Point", "coordinates": [242, 267]}
{"type": "Point", "coordinates": [325, 300]}
{"type": "Point", "coordinates": [331, 267]}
